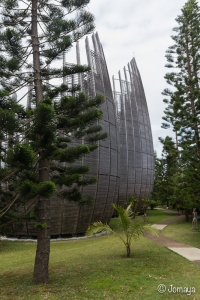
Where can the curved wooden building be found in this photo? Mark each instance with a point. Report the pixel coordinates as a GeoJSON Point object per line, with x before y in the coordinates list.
{"type": "Point", "coordinates": [103, 162]}
{"type": "Point", "coordinates": [67, 218]}
{"type": "Point", "coordinates": [124, 162]}
{"type": "Point", "coordinates": [136, 144]}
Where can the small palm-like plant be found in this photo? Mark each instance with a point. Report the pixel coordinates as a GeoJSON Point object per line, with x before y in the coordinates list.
{"type": "Point", "coordinates": [131, 227]}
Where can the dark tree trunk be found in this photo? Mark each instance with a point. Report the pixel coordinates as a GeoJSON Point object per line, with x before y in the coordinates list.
{"type": "Point", "coordinates": [128, 250]}
{"type": "Point", "coordinates": [43, 208]}
{"type": "Point", "coordinates": [41, 273]}
{"type": "Point", "coordinates": [41, 268]}
{"type": "Point", "coordinates": [187, 215]}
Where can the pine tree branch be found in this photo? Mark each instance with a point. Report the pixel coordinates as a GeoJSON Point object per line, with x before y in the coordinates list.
{"type": "Point", "coordinates": [5, 210]}
{"type": "Point", "coordinates": [25, 95]}
{"type": "Point", "coordinates": [9, 175]}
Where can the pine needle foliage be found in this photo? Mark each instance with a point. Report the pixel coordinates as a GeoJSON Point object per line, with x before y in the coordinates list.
{"type": "Point", "coordinates": [167, 172]}
{"type": "Point", "coordinates": [37, 143]}
{"type": "Point", "coordinates": [182, 113]}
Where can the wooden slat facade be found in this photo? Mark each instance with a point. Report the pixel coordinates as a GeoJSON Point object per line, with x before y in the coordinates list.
{"type": "Point", "coordinates": [136, 144]}
{"type": "Point", "coordinates": [123, 163]}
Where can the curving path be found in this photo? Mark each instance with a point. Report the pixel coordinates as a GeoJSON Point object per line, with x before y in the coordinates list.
{"type": "Point", "coordinates": [191, 253]}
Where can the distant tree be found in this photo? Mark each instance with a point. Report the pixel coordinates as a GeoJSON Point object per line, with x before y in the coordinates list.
{"type": "Point", "coordinates": [131, 228]}
{"type": "Point", "coordinates": [166, 169]}
{"type": "Point", "coordinates": [33, 35]}
{"type": "Point", "coordinates": [189, 189]}
{"type": "Point", "coordinates": [158, 178]}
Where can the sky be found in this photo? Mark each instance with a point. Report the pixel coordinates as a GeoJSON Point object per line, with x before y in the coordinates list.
{"type": "Point", "coordinates": [140, 29]}
{"type": "Point", "coordinates": [143, 29]}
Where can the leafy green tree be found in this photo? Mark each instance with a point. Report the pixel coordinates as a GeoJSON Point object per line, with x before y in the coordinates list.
{"type": "Point", "coordinates": [166, 168]}
{"type": "Point", "coordinates": [131, 228]}
{"type": "Point", "coordinates": [153, 204]}
{"type": "Point", "coordinates": [189, 191]}
{"type": "Point", "coordinates": [145, 204]}
{"type": "Point", "coordinates": [158, 178]}
{"type": "Point", "coordinates": [33, 35]}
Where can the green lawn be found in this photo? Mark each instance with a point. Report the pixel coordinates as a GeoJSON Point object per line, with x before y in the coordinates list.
{"type": "Point", "coordinates": [157, 215]}
{"type": "Point", "coordinates": [153, 216]}
{"type": "Point", "coordinates": [181, 231]}
{"type": "Point", "coordinates": [96, 268]}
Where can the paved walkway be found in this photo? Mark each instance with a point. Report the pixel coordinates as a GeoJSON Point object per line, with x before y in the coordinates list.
{"type": "Point", "coordinates": [191, 253]}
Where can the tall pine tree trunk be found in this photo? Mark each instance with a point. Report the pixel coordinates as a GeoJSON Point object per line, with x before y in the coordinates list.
{"type": "Point", "coordinates": [41, 273]}
{"type": "Point", "coordinates": [177, 145]}
{"type": "Point", "coordinates": [43, 208]}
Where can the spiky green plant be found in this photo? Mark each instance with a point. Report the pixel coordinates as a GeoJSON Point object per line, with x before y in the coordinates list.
{"type": "Point", "coordinates": [131, 228]}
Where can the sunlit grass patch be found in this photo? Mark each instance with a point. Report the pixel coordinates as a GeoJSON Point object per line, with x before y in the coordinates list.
{"type": "Point", "coordinates": [96, 268]}
{"type": "Point", "coordinates": [181, 231]}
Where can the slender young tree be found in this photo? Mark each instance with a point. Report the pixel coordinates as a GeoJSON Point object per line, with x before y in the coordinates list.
{"type": "Point", "coordinates": [33, 35]}
{"type": "Point", "coordinates": [131, 227]}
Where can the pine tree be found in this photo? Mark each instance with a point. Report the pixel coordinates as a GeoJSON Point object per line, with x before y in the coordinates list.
{"type": "Point", "coordinates": [183, 110]}
{"type": "Point", "coordinates": [166, 170]}
{"type": "Point", "coordinates": [12, 118]}
{"type": "Point", "coordinates": [157, 193]}
{"type": "Point", "coordinates": [183, 56]}
{"type": "Point", "coordinates": [32, 38]}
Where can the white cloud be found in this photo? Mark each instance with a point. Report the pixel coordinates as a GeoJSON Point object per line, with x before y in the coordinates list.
{"type": "Point", "coordinates": [142, 27]}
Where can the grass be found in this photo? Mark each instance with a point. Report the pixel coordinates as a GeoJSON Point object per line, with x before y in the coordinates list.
{"type": "Point", "coordinates": [96, 268]}
{"type": "Point", "coordinates": [153, 216]}
{"type": "Point", "coordinates": [182, 232]}
{"type": "Point", "coordinates": [158, 215]}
